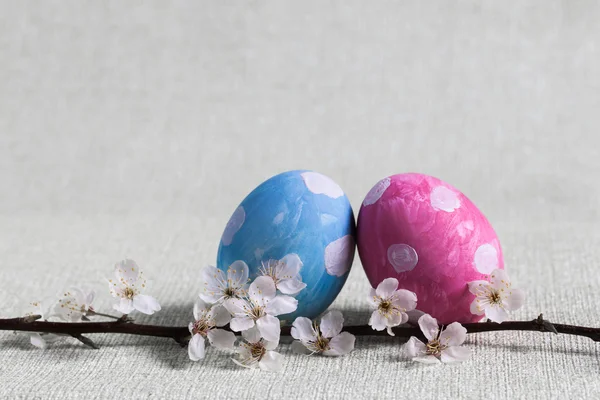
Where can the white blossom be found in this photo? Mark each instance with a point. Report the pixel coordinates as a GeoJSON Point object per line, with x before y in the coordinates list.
{"type": "Point", "coordinates": [391, 305]}
{"type": "Point", "coordinates": [443, 345]}
{"type": "Point", "coordinates": [128, 287]}
{"type": "Point", "coordinates": [218, 287]}
{"type": "Point", "coordinates": [326, 338]}
{"type": "Point", "coordinates": [260, 309]}
{"type": "Point", "coordinates": [74, 304]}
{"type": "Point", "coordinates": [257, 352]}
{"type": "Point", "coordinates": [206, 320]}
{"type": "Point", "coordinates": [41, 308]}
{"type": "Point", "coordinates": [496, 297]}
{"type": "Point", "coordinates": [285, 273]}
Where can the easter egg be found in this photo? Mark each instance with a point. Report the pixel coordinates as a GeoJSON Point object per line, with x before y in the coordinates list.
{"type": "Point", "coordinates": [297, 212]}
{"type": "Point", "coordinates": [432, 238]}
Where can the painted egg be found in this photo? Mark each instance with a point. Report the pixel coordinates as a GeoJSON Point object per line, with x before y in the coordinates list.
{"type": "Point", "coordinates": [297, 212]}
{"type": "Point", "coordinates": [430, 237]}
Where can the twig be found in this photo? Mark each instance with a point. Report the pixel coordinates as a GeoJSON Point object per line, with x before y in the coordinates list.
{"type": "Point", "coordinates": [87, 341]}
{"type": "Point", "coordinates": [181, 334]}
{"type": "Point", "coordinates": [93, 312]}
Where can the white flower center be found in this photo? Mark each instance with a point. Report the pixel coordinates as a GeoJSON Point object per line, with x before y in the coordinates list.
{"type": "Point", "coordinates": [435, 347]}
{"type": "Point", "coordinates": [129, 293]}
{"type": "Point", "coordinates": [270, 269]}
{"type": "Point", "coordinates": [387, 308]}
{"type": "Point", "coordinates": [202, 326]}
{"type": "Point", "coordinates": [254, 310]}
{"type": "Point", "coordinates": [256, 352]}
{"type": "Point", "coordinates": [320, 344]}
{"type": "Point", "coordinates": [228, 288]}
{"type": "Point", "coordinates": [494, 297]}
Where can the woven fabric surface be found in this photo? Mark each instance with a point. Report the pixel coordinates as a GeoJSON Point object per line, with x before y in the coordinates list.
{"type": "Point", "coordinates": [134, 129]}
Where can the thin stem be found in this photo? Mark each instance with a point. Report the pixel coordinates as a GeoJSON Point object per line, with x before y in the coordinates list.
{"type": "Point", "coordinates": [92, 313]}
{"type": "Point", "coordinates": [181, 334]}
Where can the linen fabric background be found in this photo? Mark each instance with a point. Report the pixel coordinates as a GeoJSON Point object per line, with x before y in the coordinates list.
{"type": "Point", "coordinates": [134, 129]}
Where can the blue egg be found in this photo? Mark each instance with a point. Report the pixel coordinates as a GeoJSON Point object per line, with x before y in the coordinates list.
{"type": "Point", "coordinates": [295, 212]}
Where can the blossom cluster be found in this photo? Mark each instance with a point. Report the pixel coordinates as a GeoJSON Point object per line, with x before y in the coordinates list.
{"type": "Point", "coordinates": [75, 304]}
{"type": "Point", "coordinates": [252, 308]}
{"type": "Point", "coordinates": [493, 298]}
{"type": "Point", "coordinates": [230, 302]}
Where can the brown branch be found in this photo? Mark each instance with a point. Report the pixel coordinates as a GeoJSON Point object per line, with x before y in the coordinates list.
{"type": "Point", "coordinates": [181, 334]}
{"type": "Point", "coordinates": [78, 328]}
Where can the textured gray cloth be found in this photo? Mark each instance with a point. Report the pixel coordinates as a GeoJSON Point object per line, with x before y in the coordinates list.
{"type": "Point", "coordinates": [133, 129]}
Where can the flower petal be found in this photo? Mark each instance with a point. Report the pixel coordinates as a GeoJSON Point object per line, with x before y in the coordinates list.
{"type": "Point", "coordinates": [270, 345]}
{"type": "Point", "coordinates": [244, 354]}
{"type": "Point", "coordinates": [127, 272]}
{"type": "Point", "coordinates": [219, 315]}
{"type": "Point", "coordinates": [78, 295]}
{"type": "Point", "coordinates": [37, 340]}
{"type": "Point", "coordinates": [291, 286]}
{"type": "Point", "coordinates": [281, 305]}
{"type": "Point", "coordinates": [405, 299]}
{"type": "Point", "coordinates": [124, 306]}
{"type": "Point", "coordinates": [514, 300]}
{"type": "Point", "coordinates": [271, 361]}
{"type": "Point", "coordinates": [236, 307]}
{"type": "Point", "coordinates": [201, 308]}
{"type": "Point", "coordinates": [289, 266]}
{"type": "Point", "coordinates": [89, 298]}
{"type": "Point", "coordinates": [499, 279]}
{"type": "Point", "coordinates": [146, 304]}
{"type": "Point", "coordinates": [196, 347]}
{"type": "Point", "coordinates": [237, 274]}
{"type": "Point", "coordinates": [262, 290]}
{"type": "Point", "coordinates": [414, 348]}
{"type": "Point", "coordinates": [454, 335]}
{"type": "Point", "coordinates": [377, 321]}
{"type": "Point", "coordinates": [396, 319]}
{"type": "Point", "coordinates": [68, 309]}
{"type": "Point", "coordinates": [213, 284]}
{"type": "Point", "coordinates": [455, 354]}
{"type": "Point", "coordinates": [43, 308]}
{"type": "Point", "coordinates": [373, 299]}
{"type": "Point", "coordinates": [496, 313]}
{"type": "Point", "coordinates": [269, 327]}
{"type": "Point", "coordinates": [239, 324]}
{"type": "Point", "coordinates": [477, 307]}
{"type": "Point", "coordinates": [476, 287]}
{"type": "Point", "coordinates": [302, 329]}
{"type": "Point", "coordinates": [429, 326]}
{"type": "Point", "coordinates": [210, 298]}
{"type": "Point", "coordinates": [387, 287]}
{"type": "Point", "coordinates": [115, 288]}
{"type": "Point", "coordinates": [332, 323]}
{"type": "Point", "coordinates": [251, 335]}
{"type": "Point", "coordinates": [340, 344]}
{"type": "Point", "coordinates": [221, 339]}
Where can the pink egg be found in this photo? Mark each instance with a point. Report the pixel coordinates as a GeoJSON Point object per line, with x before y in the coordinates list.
{"type": "Point", "coordinates": [432, 238]}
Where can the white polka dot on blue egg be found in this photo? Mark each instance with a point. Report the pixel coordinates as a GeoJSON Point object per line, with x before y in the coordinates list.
{"type": "Point", "coordinates": [296, 212]}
